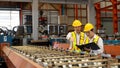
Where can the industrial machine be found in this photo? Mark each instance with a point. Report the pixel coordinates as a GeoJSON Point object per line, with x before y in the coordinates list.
{"type": "Point", "coordinates": [48, 57]}
{"type": "Point", "coordinates": [6, 35]}
{"type": "Point", "coordinates": [14, 36]}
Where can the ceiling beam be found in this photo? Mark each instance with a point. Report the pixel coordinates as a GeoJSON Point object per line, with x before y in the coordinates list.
{"type": "Point", "coordinates": [65, 1]}
{"type": "Point", "coordinates": [106, 7]}
{"type": "Point", "coordinates": [54, 7]}
{"type": "Point", "coordinates": [53, 1]}
{"type": "Point", "coordinates": [109, 10]}
{"type": "Point", "coordinates": [96, 1]}
{"type": "Point", "coordinates": [59, 1]}
{"type": "Point", "coordinates": [18, 0]}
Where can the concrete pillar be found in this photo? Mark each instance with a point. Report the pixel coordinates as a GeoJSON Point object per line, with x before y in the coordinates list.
{"type": "Point", "coordinates": [91, 13]}
{"type": "Point", "coordinates": [35, 19]}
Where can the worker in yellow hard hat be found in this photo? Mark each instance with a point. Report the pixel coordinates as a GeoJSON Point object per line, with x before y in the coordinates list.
{"type": "Point", "coordinates": [76, 37]}
{"type": "Point", "coordinates": [92, 37]}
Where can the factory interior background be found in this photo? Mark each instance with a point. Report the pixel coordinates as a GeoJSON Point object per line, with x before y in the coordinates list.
{"type": "Point", "coordinates": [33, 33]}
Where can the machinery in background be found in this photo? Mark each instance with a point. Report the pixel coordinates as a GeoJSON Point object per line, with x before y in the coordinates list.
{"type": "Point", "coordinates": [14, 36]}
{"type": "Point", "coordinates": [6, 35]}
{"type": "Point", "coordinates": [49, 24]}
{"type": "Point", "coordinates": [113, 39]}
{"type": "Point", "coordinates": [102, 32]}
{"type": "Point", "coordinates": [57, 33]}
{"type": "Point", "coordinates": [59, 30]}
{"type": "Point", "coordinates": [18, 35]}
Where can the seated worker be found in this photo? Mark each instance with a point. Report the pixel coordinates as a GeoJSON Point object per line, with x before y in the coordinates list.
{"type": "Point", "coordinates": [76, 37]}
{"type": "Point", "coordinates": [92, 37]}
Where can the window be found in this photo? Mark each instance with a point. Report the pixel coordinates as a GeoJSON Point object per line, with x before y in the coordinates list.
{"type": "Point", "coordinates": [9, 19]}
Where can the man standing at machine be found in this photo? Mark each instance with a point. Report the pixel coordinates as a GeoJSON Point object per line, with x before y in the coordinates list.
{"type": "Point", "coordinates": [76, 37]}
{"type": "Point", "coordinates": [92, 37]}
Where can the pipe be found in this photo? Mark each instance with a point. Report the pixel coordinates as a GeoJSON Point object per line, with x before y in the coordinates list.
{"type": "Point", "coordinates": [63, 9]}
{"type": "Point", "coordinates": [60, 9]}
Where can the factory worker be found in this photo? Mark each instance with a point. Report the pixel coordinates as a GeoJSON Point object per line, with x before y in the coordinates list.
{"type": "Point", "coordinates": [92, 37]}
{"type": "Point", "coordinates": [76, 37]}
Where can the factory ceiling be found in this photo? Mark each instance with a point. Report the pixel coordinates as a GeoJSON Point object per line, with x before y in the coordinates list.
{"type": "Point", "coordinates": [57, 1]}
{"type": "Point", "coordinates": [27, 3]}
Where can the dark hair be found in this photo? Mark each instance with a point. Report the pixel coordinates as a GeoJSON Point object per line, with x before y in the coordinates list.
{"type": "Point", "coordinates": [101, 25]}
{"type": "Point", "coordinates": [91, 29]}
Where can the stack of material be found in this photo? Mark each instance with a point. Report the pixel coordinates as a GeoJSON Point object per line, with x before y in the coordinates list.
{"type": "Point", "coordinates": [54, 58]}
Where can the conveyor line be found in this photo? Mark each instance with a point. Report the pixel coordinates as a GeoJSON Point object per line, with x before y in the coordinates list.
{"type": "Point", "coordinates": [15, 60]}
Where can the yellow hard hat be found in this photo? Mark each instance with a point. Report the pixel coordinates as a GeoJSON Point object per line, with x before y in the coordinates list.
{"type": "Point", "coordinates": [88, 27]}
{"type": "Point", "coordinates": [76, 23]}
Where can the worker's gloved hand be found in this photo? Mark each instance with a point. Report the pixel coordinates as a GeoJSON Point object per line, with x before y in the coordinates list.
{"type": "Point", "coordinates": [71, 39]}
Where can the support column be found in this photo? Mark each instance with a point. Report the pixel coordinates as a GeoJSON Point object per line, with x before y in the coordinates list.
{"type": "Point", "coordinates": [91, 12]}
{"type": "Point", "coordinates": [63, 9]}
{"type": "Point", "coordinates": [76, 11]}
{"type": "Point", "coordinates": [21, 17]}
{"type": "Point", "coordinates": [115, 16]}
{"type": "Point", "coordinates": [98, 12]}
{"type": "Point", "coordinates": [35, 19]}
{"type": "Point", "coordinates": [60, 9]}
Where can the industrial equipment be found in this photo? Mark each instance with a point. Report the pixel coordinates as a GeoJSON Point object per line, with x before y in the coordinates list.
{"type": "Point", "coordinates": [48, 57]}
{"type": "Point", "coordinates": [62, 30]}
{"type": "Point", "coordinates": [18, 35]}
{"type": "Point", "coordinates": [6, 35]}
{"type": "Point", "coordinates": [52, 29]}
{"type": "Point", "coordinates": [57, 29]}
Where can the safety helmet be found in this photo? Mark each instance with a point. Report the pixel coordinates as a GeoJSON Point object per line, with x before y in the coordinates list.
{"type": "Point", "coordinates": [76, 23]}
{"type": "Point", "coordinates": [88, 27]}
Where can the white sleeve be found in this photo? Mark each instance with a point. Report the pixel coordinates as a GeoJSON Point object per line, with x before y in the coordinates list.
{"type": "Point", "coordinates": [69, 35]}
{"type": "Point", "coordinates": [100, 44]}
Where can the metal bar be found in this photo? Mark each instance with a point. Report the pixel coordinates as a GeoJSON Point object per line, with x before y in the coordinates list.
{"type": "Point", "coordinates": [19, 61]}
{"type": "Point", "coordinates": [18, 0]}
{"type": "Point", "coordinates": [65, 1]}
{"type": "Point", "coordinates": [21, 17]}
{"type": "Point", "coordinates": [115, 16]}
{"type": "Point", "coordinates": [76, 11]}
{"type": "Point", "coordinates": [54, 7]}
{"type": "Point", "coordinates": [60, 9]}
{"type": "Point", "coordinates": [41, 5]}
{"type": "Point", "coordinates": [106, 7]}
{"type": "Point", "coordinates": [110, 10]}
{"type": "Point", "coordinates": [98, 21]}
{"type": "Point", "coordinates": [63, 9]}
{"type": "Point", "coordinates": [86, 14]}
